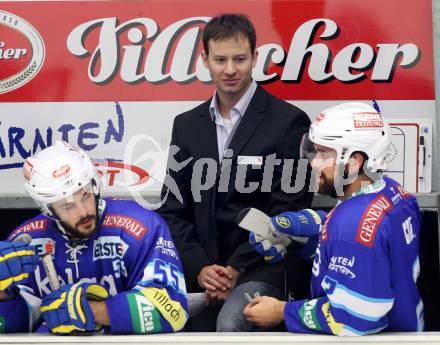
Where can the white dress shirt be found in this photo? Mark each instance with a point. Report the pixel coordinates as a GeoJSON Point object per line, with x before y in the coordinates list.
{"type": "Point", "coordinates": [226, 127]}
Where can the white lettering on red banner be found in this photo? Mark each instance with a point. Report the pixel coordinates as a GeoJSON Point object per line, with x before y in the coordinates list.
{"type": "Point", "coordinates": [36, 225]}
{"type": "Point", "coordinates": [371, 219]}
{"type": "Point", "coordinates": [128, 224]}
{"type": "Point", "coordinates": [182, 63]}
{"type": "Point", "coordinates": [367, 120]}
{"type": "Point", "coordinates": [140, 51]}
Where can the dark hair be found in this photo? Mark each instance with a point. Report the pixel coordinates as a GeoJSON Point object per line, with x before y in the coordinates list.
{"type": "Point", "coordinates": [229, 25]}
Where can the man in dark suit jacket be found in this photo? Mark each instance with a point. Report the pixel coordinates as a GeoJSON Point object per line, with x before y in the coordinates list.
{"type": "Point", "coordinates": [227, 155]}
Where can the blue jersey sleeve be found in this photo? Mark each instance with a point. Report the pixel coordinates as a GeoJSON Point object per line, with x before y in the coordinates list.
{"type": "Point", "coordinates": [22, 312]}
{"type": "Point", "coordinates": [156, 300]}
{"type": "Point", "coordinates": [14, 316]}
{"type": "Point", "coordinates": [356, 291]}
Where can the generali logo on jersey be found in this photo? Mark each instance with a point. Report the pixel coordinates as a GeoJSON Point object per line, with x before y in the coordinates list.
{"type": "Point", "coordinates": [22, 52]}
{"type": "Point", "coordinates": [371, 220]}
{"type": "Point", "coordinates": [36, 225]}
{"type": "Point", "coordinates": [128, 224]}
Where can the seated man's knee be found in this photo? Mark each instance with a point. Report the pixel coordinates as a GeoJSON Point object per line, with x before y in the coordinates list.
{"type": "Point", "coordinates": [232, 321]}
{"type": "Point", "coordinates": [231, 317]}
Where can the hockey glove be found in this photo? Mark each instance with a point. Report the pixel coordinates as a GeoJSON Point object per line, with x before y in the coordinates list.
{"type": "Point", "coordinates": [66, 310]}
{"type": "Point", "coordinates": [271, 252]}
{"type": "Point", "coordinates": [304, 223]}
{"type": "Point", "coordinates": [17, 260]}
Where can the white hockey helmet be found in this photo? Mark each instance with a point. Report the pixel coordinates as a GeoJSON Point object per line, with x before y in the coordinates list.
{"type": "Point", "coordinates": [351, 127]}
{"type": "Point", "coordinates": [57, 172]}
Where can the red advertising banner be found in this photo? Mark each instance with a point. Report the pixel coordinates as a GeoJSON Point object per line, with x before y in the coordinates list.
{"type": "Point", "coordinates": [110, 77]}
{"type": "Point", "coordinates": [150, 50]}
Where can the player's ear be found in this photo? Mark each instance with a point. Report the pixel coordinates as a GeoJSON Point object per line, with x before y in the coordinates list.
{"type": "Point", "coordinates": [205, 58]}
{"type": "Point", "coordinates": [254, 58]}
{"type": "Point", "coordinates": [356, 163]}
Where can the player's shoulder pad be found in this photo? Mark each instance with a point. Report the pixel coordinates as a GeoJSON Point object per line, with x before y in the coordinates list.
{"type": "Point", "coordinates": [35, 227]}
{"type": "Point", "coordinates": [135, 220]}
{"type": "Point", "coordinates": [398, 194]}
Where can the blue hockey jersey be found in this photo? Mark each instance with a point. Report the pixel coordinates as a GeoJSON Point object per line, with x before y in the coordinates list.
{"type": "Point", "coordinates": [132, 255]}
{"type": "Point", "coordinates": [365, 268]}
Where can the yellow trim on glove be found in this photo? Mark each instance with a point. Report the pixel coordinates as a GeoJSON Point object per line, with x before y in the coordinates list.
{"type": "Point", "coordinates": [15, 254]}
{"type": "Point", "coordinates": [78, 304]}
{"type": "Point", "coordinates": [8, 281]}
{"type": "Point", "coordinates": [65, 329]}
{"type": "Point", "coordinates": [55, 304]}
{"type": "Point", "coordinates": [96, 292]}
{"type": "Point", "coordinates": [315, 215]}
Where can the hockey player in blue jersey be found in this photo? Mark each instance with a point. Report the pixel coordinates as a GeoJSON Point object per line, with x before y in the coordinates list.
{"type": "Point", "coordinates": [366, 265]}
{"type": "Point", "coordinates": [116, 267]}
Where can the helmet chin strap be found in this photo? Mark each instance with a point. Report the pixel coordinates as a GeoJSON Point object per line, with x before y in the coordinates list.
{"type": "Point", "coordinates": [61, 228]}
{"type": "Point", "coordinates": [100, 207]}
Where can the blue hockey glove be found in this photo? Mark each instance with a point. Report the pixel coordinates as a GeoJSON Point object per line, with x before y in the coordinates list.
{"type": "Point", "coordinates": [271, 252]}
{"type": "Point", "coordinates": [304, 223]}
{"type": "Point", "coordinates": [67, 310]}
{"type": "Point", "coordinates": [17, 260]}
{"type": "Point", "coordinates": [307, 251]}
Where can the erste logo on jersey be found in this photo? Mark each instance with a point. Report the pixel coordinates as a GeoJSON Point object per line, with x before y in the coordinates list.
{"type": "Point", "coordinates": [43, 246]}
{"type": "Point", "coordinates": [109, 247]}
{"type": "Point", "coordinates": [21, 52]}
{"type": "Point", "coordinates": [131, 225]}
{"type": "Point", "coordinates": [371, 219]}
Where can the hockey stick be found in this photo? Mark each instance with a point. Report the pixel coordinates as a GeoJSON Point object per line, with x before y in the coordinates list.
{"type": "Point", "coordinates": [259, 223]}
{"type": "Point", "coordinates": [46, 258]}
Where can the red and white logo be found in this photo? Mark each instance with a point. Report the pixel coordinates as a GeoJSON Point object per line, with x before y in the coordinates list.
{"type": "Point", "coordinates": [371, 219]}
{"type": "Point", "coordinates": [367, 120]}
{"type": "Point", "coordinates": [120, 174]}
{"type": "Point", "coordinates": [61, 171]}
{"type": "Point", "coordinates": [22, 52]}
{"type": "Point", "coordinates": [320, 117]}
{"type": "Point", "coordinates": [44, 245]}
{"type": "Point", "coordinates": [36, 225]}
{"type": "Point", "coordinates": [128, 224]}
